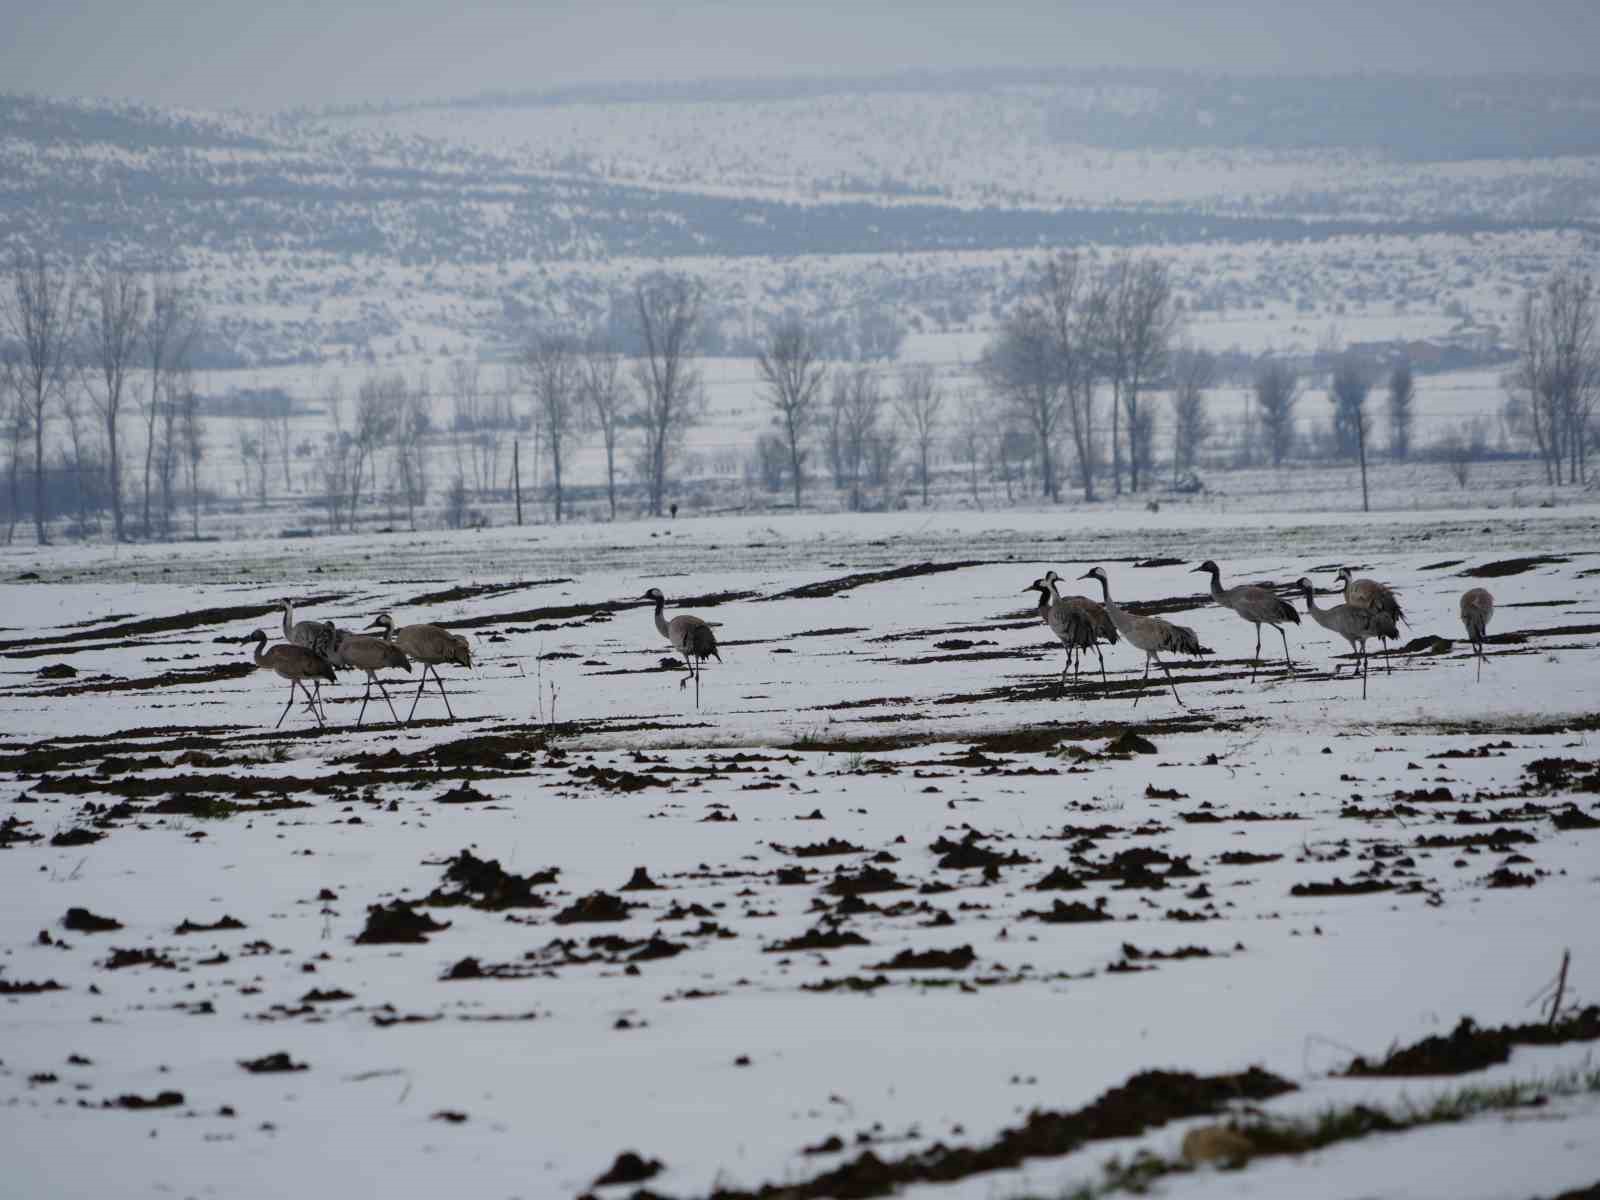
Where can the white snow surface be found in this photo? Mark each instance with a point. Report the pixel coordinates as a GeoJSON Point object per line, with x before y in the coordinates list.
{"type": "Point", "coordinates": [844, 705]}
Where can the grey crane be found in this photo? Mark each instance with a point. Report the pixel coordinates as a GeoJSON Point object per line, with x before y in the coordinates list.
{"type": "Point", "coordinates": [294, 663]}
{"type": "Point", "coordinates": [1258, 605]}
{"type": "Point", "coordinates": [690, 637]}
{"type": "Point", "coordinates": [430, 646]}
{"type": "Point", "coordinates": [371, 655]}
{"type": "Point", "coordinates": [319, 637]}
{"type": "Point", "coordinates": [1150, 634]}
{"type": "Point", "coordinates": [1380, 597]}
{"type": "Point", "coordinates": [1477, 607]}
{"type": "Point", "coordinates": [1084, 626]}
{"type": "Point", "coordinates": [1355, 624]}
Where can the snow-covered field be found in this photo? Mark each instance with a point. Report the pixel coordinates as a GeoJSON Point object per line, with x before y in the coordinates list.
{"type": "Point", "coordinates": [908, 709]}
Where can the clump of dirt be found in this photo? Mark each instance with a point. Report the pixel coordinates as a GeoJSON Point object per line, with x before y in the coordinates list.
{"type": "Point", "coordinates": [1338, 887]}
{"type": "Point", "coordinates": [226, 922]}
{"type": "Point", "coordinates": [81, 920]}
{"type": "Point", "coordinates": [819, 938]}
{"type": "Point", "coordinates": [597, 906]}
{"type": "Point", "coordinates": [867, 880]}
{"type": "Point", "coordinates": [1498, 839]}
{"type": "Point", "coordinates": [616, 779]}
{"type": "Point", "coordinates": [1505, 877]}
{"type": "Point", "coordinates": [24, 987]}
{"type": "Point", "coordinates": [1245, 858]}
{"type": "Point", "coordinates": [1469, 1047]}
{"type": "Point", "coordinates": [473, 591]}
{"type": "Point", "coordinates": [271, 1064]}
{"type": "Point", "coordinates": [629, 1168]}
{"type": "Point", "coordinates": [58, 671]}
{"type": "Point", "coordinates": [1058, 880]}
{"type": "Point", "coordinates": [847, 983]}
{"type": "Point", "coordinates": [143, 957]}
{"type": "Point", "coordinates": [76, 837]}
{"type": "Point", "coordinates": [1132, 953]}
{"type": "Point", "coordinates": [821, 849]}
{"type": "Point", "coordinates": [1075, 913]}
{"type": "Point", "coordinates": [640, 881]}
{"type": "Point", "coordinates": [1512, 566]}
{"type": "Point", "coordinates": [397, 923]}
{"type": "Point", "coordinates": [1573, 817]}
{"type": "Point", "coordinates": [463, 793]}
{"type": "Point", "coordinates": [1129, 742]}
{"type": "Point", "coordinates": [968, 854]}
{"type": "Point", "coordinates": [138, 1103]}
{"type": "Point", "coordinates": [484, 884]}
{"type": "Point", "coordinates": [958, 959]}
{"type": "Point", "coordinates": [14, 830]}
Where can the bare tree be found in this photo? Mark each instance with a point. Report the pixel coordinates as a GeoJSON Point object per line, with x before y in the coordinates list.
{"type": "Point", "coordinates": [1461, 447]}
{"type": "Point", "coordinates": [191, 438]}
{"type": "Point", "coordinates": [1137, 337]}
{"type": "Point", "coordinates": [1022, 370]}
{"type": "Point", "coordinates": [379, 403]}
{"type": "Point", "coordinates": [1277, 392]}
{"type": "Point", "coordinates": [169, 331]}
{"type": "Point", "coordinates": [474, 430]}
{"type": "Point", "coordinates": [116, 314]}
{"type": "Point", "coordinates": [169, 445]}
{"type": "Point", "coordinates": [671, 395]}
{"type": "Point", "coordinates": [793, 371]}
{"type": "Point", "coordinates": [553, 366]}
{"type": "Point", "coordinates": [607, 397]}
{"type": "Point", "coordinates": [1558, 337]}
{"type": "Point", "coordinates": [1077, 302]}
{"type": "Point", "coordinates": [855, 403]}
{"type": "Point", "coordinates": [412, 424]}
{"type": "Point", "coordinates": [78, 456]}
{"type": "Point", "coordinates": [974, 432]}
{"type": "Point", "coordinates": [1349, 388]}
{"type": "Point", "coordinates": [39, 311]}
{"type": "Point", "coordinates": [918, 402]}
{"type": "Point", "coordinates": [14, 418]}
{"type": "Point", "coordinates": [1402, 410]}
{"type": "Point", "coordinates": [334, 464]}
{"type": "Point", "coordinates": [1193, 372]}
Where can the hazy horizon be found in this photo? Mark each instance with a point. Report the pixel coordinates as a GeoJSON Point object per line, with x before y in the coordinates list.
{"type": "Point", "coordinates": [236, 55]}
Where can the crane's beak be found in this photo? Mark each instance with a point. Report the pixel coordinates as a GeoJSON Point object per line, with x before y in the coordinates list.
{"type": "Point", "coordinates": [1088, 575]}
{"type": "Point", "coordinates": [1196, 570]}
{"type": "Point", "coordinates": [375, 625]}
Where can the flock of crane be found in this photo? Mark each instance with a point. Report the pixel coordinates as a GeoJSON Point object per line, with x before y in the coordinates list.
{"type": "Point", "coordinates": [313, 650]}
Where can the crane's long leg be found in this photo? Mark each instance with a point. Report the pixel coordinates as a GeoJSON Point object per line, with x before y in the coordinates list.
{"type": "Point", "coordinates": [365, 693]}
{"type": "Point", "coordinates": [1143, 679]}
{"type": "Point", "coordinates": [1103, 681]}
{"type": "Point", "coordinates": [288, 706]}
{"type": "Point", "coordinates": [1172, 685]}
{"type": "Point", "coordinates": [418, 696]}
{"type": "Point", "coordinates": [1287, 664]}
{"type": "Point", "coordinates": [1477, 647]}
{"type": "Point", "coordinates": [1364, 662]}
{"type": "Point", "coordinates": [437, 678]}
{"type": "Point", "coordinates": [1256, 661]}
{"type": "Point", "coordinates": [387, 701]}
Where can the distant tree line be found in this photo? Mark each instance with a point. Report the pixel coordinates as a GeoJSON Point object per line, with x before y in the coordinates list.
{"type": "Point", "coordinates": [1086, 380]}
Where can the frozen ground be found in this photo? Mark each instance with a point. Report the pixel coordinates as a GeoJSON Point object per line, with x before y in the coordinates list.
{"type": "Point", "coordinates": [913, 716]}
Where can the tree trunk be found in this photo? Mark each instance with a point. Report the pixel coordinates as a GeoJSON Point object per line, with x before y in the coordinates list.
{"type": "Point", "coordinates": [1116, 440]}
{"type": "Point", "coordinates": [38, 476]}
{"type": "Point", "coordinates": [555, 462]}
{"type": "Point", "coordinates": [516, 475]}
{"type": "Point", "coordinates": [794, 466]}
{"type": "Point", "coordinates": [114, 478]}
{"type": "Point", "coordinates": [1361, 450]}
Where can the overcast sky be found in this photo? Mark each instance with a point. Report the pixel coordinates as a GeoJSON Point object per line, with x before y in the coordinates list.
{"type": "Point", "coordinates": [273, 54]}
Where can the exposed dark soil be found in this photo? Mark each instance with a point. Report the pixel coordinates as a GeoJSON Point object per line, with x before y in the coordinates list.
{"type": "Point", "coordinates": [271, 1064]}
{"type": "Point", "coordinates": [397, 923]}
{"type": "Point", "coordinates": [81, 920]}
{"type": "Point", "coordinates": [189, 620]}
{"type": "Point", "coordinates": [485, 884]}
{"type": "Point", "coordinates": [1338, 887]}
{"type": "Point", "coordinates": [1074, 913]}
{"type": "Point", "coordinates": [1146, 1101]}
{"type": "Point", "coordinates": [1469, 1047]}
{"type": "Point", "coordinates": [845, 583]}
{"type": "Point", "coordinates": [1512, 566]}
{"type": "Point", "coordinates": [473, 591]}
{"type": "Point", "coordinates": [629, 1168]}
{"type": "Point", "coordinates": [138, 1103]}
{"type": "Point", "coordinates": [225, 923]}
{"type": "Point", "coordinates": [181, 677]}
{"type": "Point", "coordinates": [597, 906]}
{"type": "Point", "coordinates": [23, 987]}
{"type": "Point", "coordinates": [820, 938]}
{"type": "Point", "coordinates": [958, 959]}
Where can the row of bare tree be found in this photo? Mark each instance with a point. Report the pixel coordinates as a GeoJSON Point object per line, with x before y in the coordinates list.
{"type": "Point", "coordinates": [85, 349]}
